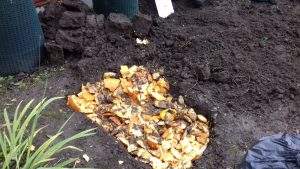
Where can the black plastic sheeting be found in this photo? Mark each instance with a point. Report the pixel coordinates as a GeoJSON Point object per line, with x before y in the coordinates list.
{"type": "Point", "coordinates": [280, 151]}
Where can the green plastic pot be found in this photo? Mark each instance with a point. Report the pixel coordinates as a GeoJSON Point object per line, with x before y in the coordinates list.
{"type": "Point", "coordinates": [21, 37]}
{"type": "Point", "coordinates": [127, 7]}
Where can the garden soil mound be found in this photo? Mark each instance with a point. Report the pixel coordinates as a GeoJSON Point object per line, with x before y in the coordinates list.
{"type": "Point", "coordinates": [237, 62]}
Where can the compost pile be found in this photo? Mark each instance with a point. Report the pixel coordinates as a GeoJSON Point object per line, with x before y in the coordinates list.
{"type": "Point", "coordinates": [139, 111]}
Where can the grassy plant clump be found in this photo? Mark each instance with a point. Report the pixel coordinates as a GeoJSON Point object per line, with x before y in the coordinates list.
{"type": "Point", "coordinates": [17, 136]}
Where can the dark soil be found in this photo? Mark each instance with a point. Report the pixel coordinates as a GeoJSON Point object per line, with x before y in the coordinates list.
{"type": "Point", "coordinates": [235, 61]}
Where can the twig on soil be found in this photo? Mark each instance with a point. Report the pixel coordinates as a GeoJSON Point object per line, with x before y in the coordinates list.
{"type": "Point", "coordinates": [249, 79]}
{"type": "Point", "coordinates": [45, 88]}
{"type": "Point", "coordinates": [190, 88]}
{"type": "Point", "coordinates": [197, 80]}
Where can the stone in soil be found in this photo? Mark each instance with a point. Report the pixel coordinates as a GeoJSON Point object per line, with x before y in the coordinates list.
{"type": "Point", "coordinates": [100, 21]}
{"type": "Point", "coordinates": [120, 22]}
{"type": "Point", "coordinates": [199, 3]}
{"type": "Point", "coordinates": [169, 43]}
{"type": "Point", "coordinates": [90, 52]}
{"type": "Point", "coordinates": [91, 21]}
{"type": "Point", "coordinates": [70, 40]}
{"type": "Point", "coordinates": [201, 102]}
{"type": "Point", "coordinates": [55, 53]}
{"type": "Point", "coordinates": [95, 21]}
{"type": "Point", "coordinates": [88, 67]}
{"type": "Point", "coordinates": [72, 19]}
{"type": "Point", "coordinates": [142, 24]}
{"type": "Point", "coordinates": [52, 11]}
{"type": "Point", "coordinates": [75, 5]}
{"type": "Point", "coordinates": [203, 71]}
{"type": "Point", "coordinates": [220, 76]}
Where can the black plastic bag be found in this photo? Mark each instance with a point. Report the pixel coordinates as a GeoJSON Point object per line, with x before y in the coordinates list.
{"type": "Point", "coordinates": [280, 151]}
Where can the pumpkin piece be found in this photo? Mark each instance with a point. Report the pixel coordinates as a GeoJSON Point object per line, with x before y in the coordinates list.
{"type": "Point", "coordinates": [122, 138]}
{"type": "Point", "coordinates": [135, 120]}
{"type": "Point", "coordinates": [111, 83]}
{"type": "Point", "coordinates": [80, 105]}
{"type": "Point", "coordinates": [163, 113]}
{"type": "Point", "coordinates": [131, 148]}
{"type": "Point", "coordinates": [186, 145]}
{"type": "Point", "coordinates": [124, 70]}
{"type": "Point", "coordinates": [166, 145]}
{"type": "Point", "coordinates": [156, 153]}
{"type": "Point", "coordinates": [151, 118]}
{"type": "Point", "coordinates": [92, 116]}
{"type": "Point", "coordinates": [202, 138]}
{"type": "Point", "coordinates": [133, 69]}
{"type": "Point", "coordinates": [152, 145]}
{"type": "Point", "coordinates": [157, 96]}
{"type": "Point", "coordinates": [74, 103]}
{"type": "Point", "coordinates": [133, 98]}
{"type": "Point", "coordinates": [159, 130]}
{"type": "Point", "coordinates": [168, 134]}
{"type": "Point", "coordinates": [126, 85]}
{"type": "Point", "coordinates": [141, 143]}
{"type": "Point", "coordinates": [109, 74]}
{"type": "Point", "coordinates": [90, 88]}
{"type": "Point", "coordinates": [158, 164]}
{"type": "Point", "coordinates": [169, 99]}
{"type": "Point", "coordinates": [107, 114]}
{"type": "Point", "coordinates": [148, 130]}
{"type": "Point", "coordinates": [86, 95]}
{"type": "Point", "coordinates": [163, 83]}
{"type": "Point", "coordinates": [181, 100]}
{"type": "Point", "coordinates": [155, 76]}
{"type": "Point", "coordinates": [202, 118]}
{"type": "Point", "coordinates": [167, 157]}
{"type": "Point", "coordinates": [115, 120]}
{"type": "Point", "coordinates": [169, 117]}
{"type": "Point", "coordinates": [128, 72]}
{"type": "Point", "coordinates": [143, 153]}
{"type": "Point", "coordinates": [136, 132]}
{"type": "Point", "coordinates": [118, 92]}
{"type": "Point", "coordinates": [176, 153]}
{"type": "Point", "coordinates": [192, 114]}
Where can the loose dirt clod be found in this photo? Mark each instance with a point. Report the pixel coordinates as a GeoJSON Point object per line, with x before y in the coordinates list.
{"type": "Point", "coordinates": [138, 109]}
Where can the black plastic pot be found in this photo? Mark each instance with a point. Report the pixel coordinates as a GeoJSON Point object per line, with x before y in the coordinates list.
{"type": "Point", "coordinates": [127, 7]}
{"type": "Point", "coordinates": [21, 37]}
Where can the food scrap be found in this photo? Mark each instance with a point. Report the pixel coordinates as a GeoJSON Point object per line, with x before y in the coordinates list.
{"type": "Point", "coordinates": [86, 157]}
{"type": "Point", "coordinates": [139, 111]}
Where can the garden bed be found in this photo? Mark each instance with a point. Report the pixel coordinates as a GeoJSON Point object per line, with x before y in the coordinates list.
{"type": "Point", "coordinates": [237, 62]}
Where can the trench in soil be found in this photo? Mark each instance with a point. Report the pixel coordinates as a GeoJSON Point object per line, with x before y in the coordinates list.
{"type": "Point", "coordinates": [249, 52]}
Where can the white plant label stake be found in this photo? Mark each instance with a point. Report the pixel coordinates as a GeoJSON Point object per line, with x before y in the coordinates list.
{"type": "Point", "coordinates": [164, 8]}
